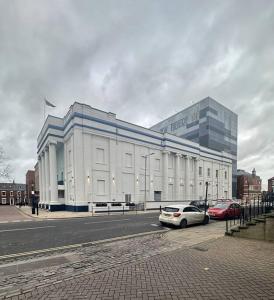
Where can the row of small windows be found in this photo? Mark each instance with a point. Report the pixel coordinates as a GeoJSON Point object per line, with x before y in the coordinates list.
{"type": "Point", "coordinates": [209, 174]}
{"type": "Point", "coordinates": [4, 193]}
{"type": "Point", "coordinates": [128, 161]}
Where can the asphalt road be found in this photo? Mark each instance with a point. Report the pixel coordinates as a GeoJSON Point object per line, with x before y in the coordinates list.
{"type": "Point", "coordinates": [38, 235]}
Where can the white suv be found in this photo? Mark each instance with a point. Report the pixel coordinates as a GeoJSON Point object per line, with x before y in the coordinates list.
{"type": "Point", "coordinates": [183, 215]}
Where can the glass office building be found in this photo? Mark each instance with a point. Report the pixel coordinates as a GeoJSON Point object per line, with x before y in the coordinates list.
{"type": "Point", "coordinates": [208, 123]}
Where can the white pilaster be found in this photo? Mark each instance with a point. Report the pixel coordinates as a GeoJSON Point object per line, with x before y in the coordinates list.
{"type": "Point", "coordinates": [41, 196]}
{"type": "Point", "coordinates": [177, 176]}
{"type": "Point", "coordinates": [165, 175]}
{"type": "Point", "coordinates": [196, 179]}
{"type": "Point", "coordinates": [187, 178]}
{"type": "Point", "coordinates": [53, 174]}
{"type": "Point", "coordinates": [47, 194]}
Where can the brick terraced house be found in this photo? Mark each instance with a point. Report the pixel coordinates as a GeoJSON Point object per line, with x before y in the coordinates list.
{"type": "Point", "coordinates": [12, 193]}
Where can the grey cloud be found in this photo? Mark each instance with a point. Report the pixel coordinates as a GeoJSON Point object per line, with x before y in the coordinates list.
{"type": "Point", "coordinates": [143, 60]}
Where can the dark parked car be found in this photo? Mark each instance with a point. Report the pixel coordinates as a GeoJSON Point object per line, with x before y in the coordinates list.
{"type": "Point", "coordinates": [199, 203]}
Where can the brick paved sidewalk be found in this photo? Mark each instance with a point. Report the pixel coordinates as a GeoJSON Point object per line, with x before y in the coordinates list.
{"type": "Point", "coordinates": [226, 268]}
{"type": "Point", "coordinates": [9, 213]}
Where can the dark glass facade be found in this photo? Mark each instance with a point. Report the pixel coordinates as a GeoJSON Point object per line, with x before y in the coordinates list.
{"type": "Point", "coordinates": [210, 124]}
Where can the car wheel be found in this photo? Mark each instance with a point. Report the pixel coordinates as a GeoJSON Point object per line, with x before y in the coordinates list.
{"type": "Point", "coordinates": [162, 223]}
{"type": "Point", "coordinates": [206, 220]}
{"type": "Point", "coordinates": [183, 223]}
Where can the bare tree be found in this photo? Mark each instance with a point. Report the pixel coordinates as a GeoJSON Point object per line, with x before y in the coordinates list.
{"type": "Point", "coordinates": [5, 168]}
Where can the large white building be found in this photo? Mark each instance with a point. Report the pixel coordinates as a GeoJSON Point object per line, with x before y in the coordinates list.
{"type": "Point", "coordinates": [90, 160]}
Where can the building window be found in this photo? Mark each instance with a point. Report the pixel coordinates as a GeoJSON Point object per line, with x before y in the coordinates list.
{"type": "Point", "coordinates": [157, 195]}
{"type": "Point", "coordinates": [143, 162]}
{"type": "Point", "coordinates": [200, 171]}
{"type": "Point", "coordinates": [100, 155]}
{"type": "Point", "coordinates": [11, 193]}
{"type": "Point", "coordinates": [19, 194]}
{"type": "Point", "coordinates": [3, 193]}
{"type": "Point", "coordinates": [216, 173]}
{"type": "Point", "coordinates": [170, 161]}
{"type": "Point", "coordinates": [101, 187]}
{"type": "Point", "coordinates": [208, 172]}
{"type": "Point", "coordinates": [128, 160]}
{"type": "Point", "coordinates": [225, 175]}
{"type": "Point", "coordinates": [157, 164]}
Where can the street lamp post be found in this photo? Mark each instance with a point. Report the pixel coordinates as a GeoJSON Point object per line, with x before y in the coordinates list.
{"type": "Point", "coordinates": [146, 156]}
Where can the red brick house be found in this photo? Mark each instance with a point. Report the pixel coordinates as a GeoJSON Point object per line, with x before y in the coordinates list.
{"type": "Point", "coordinates": [12, 193]}
{"type": "Point", "coordinates": [271, 184]}
{"type": "Point", "coordinates": [30, 183]}
{"type": "Point", "coordinates": [249, 186]}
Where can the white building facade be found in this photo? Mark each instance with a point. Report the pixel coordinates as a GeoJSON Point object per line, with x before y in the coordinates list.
{"type": "Point", "coordinates": [91, 160]}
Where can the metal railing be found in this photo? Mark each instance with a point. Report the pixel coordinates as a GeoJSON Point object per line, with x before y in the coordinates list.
{"type": "Point", "coordinates": [247, 212]}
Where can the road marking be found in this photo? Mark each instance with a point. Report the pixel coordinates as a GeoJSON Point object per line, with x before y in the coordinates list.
{"type": "Point", "coordinates": [107, 221]}
{"type": "Point", "coordinates": [21, 229]}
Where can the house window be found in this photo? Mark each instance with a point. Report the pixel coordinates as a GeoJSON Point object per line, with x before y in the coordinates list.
{"type": "Point", "coordinates": [216, 173]}
{"type": "Point", "coordinates": [208, 172]}
{"type": "Point", "coordinates": [200, 171]}
{"type": "Point", "coordinates": [157, 164]}
{"type": "Point", "coordinates": [3, 193]}
{"type": "Point", "coordinates": [100, 155]}
{"type": "Point", "coordinates": [225, 175]}
{"type": "Point", "coordinates": [128, 160]}
{"type": "Point", "coordinates": [101, 187]}
{"type": "Point", "coordinates": [11, 193]}
{"type": "Point", "coordinates": [19, 194]}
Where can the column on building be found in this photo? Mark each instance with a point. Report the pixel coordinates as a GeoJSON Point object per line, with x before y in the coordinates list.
{"type": "Point", "coordinates": [44, 178]}
{"type": "Point", "coordinates": [177, 176]}
{"type": "Point", "coordinates": [136, 176]}
{"type": "Point", "coordinates": [151, 178]}
{"type": "Point", "coordinates": [47, 167]}
{"type": "Point", "coordinates": [112, 169]}
{"type": "Point", "coordinates": [40, 171]}
{"type": "Point", "coordinates": [165, 175]}
{"type": "Point", "coordinates": [53, 174]}
{"type": "Point", "coordinates": [196, 179]}
{"type": "Point", "coordinates": [187, 178]}
{"type": "Point", "coordinates": [80, 203]}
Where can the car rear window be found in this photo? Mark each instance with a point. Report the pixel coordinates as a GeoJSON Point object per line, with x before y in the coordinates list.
{"type": "Point", "coordinates": [221, 205]}
{"type": "Point", "coordinates": [171, 209]}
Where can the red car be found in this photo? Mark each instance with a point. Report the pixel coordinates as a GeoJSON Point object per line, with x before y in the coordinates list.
{"type": "Point", "coordinates": [223, 210]}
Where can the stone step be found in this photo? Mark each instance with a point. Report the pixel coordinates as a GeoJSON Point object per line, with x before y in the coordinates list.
{"type": "Point", "coordinates": [259, 220]}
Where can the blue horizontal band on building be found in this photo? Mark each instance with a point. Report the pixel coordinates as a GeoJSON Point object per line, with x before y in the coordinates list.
{"type": "Point", "coordinates": [116, 133]}
{"type": "Point", "coordinates": [73, 208]}
{"type": "Point", "coordinates": [90, 127]}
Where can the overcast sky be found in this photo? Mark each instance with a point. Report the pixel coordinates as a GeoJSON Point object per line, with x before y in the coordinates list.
{"type": "Point", "coordinates": [143, 60]}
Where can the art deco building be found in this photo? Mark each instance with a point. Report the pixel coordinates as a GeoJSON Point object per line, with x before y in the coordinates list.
{"type": "Point", "coordinates": [91, 159]}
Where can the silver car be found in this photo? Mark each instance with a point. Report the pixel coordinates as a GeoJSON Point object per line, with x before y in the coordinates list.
{"type": "Point", "coordinates": [183, 215]}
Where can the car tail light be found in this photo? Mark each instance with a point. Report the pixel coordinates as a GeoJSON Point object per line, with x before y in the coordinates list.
{"type": "Point", "coordinates": [176, 214]}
